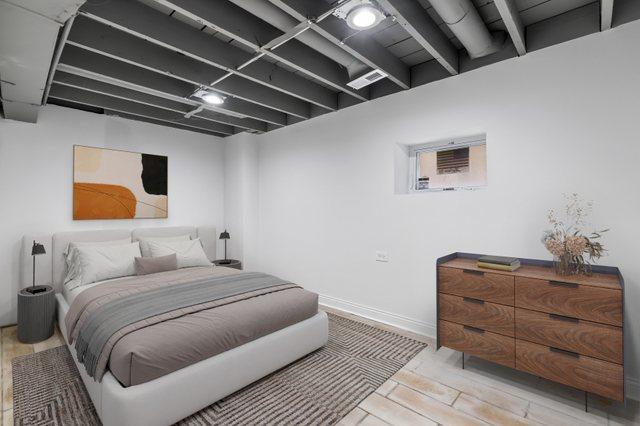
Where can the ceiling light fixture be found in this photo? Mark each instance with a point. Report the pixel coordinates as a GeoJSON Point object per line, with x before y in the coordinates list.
{"type": "Point", "coordinates": [213, 99]}
{"type": "Point", "coordinates": [360, 14]}
{"type": "Point", "coordinates": [208, 96]}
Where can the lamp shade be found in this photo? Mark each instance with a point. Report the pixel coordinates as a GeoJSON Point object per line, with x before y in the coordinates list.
{"type": "Point", "coordinates": [225, 235]}
{"type": "Point", "coordinates": [37, 249]}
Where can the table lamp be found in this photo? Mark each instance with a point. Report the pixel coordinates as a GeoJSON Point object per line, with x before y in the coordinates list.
{"type": "Point", "coordinates": [225, 236]}
{"type": "Point", "coordinates": [36, 250]}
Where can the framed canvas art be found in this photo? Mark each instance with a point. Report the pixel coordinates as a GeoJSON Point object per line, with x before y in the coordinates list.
{"type": "Point", "coordinates": [113, 184]}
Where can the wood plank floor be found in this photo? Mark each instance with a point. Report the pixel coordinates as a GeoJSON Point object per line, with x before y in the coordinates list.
{"type": "Point", "coordinates": [432, 389]}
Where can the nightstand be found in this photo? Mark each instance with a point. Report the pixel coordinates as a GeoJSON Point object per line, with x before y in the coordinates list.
{"type": "Point", "coordinates": [229, 263]}
{"type": "Point", "coordinates": [36, 314]}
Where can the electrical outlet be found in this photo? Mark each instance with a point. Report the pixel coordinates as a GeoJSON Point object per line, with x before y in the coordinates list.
{"type": "Point", "coordinates": [382, 256]}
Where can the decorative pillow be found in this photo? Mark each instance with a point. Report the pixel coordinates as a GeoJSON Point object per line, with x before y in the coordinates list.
{"type": "Point", "coordinates": [69, 253]}
{"type": "Point", "coordinates": [144, 242]}
{"type": "Point", "coordinates": [99, 263]}
{"type": "Point", "coordinates": [153, 265]}
{"type": "Point", "coordinates": [189, 253]}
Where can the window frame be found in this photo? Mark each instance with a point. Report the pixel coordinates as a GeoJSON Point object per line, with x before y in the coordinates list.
{"type": "Point", "coordinates": [443, 145]}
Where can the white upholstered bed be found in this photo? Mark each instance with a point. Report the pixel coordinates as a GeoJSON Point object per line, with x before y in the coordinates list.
{"type": "Point", "coordinates": [176, 395]}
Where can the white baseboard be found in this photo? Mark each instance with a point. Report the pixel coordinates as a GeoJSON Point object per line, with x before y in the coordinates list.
{"type": "Point", "coordinates": [632, 388]}
{"type": "Point", "coordinates": [400, 321]}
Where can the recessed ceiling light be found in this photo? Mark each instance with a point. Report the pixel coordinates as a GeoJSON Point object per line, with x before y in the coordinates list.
{"type": "Point", "coordinates": [364, 17]}
{"type": "Point", "coordinates": [213, 99]}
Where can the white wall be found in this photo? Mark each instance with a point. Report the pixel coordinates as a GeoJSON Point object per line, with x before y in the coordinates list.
{"type": "Point", "coordinates": [558, 120]}
{"type": "Point", "coordinates": [241, 197]}
{"type": "Point", "coordinates": [36, 175]}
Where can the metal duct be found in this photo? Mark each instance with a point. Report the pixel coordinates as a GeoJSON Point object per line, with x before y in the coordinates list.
{"type": "Point", "coordinates": [28, 34]}
{"type": "Point", "coordinates": [284, 22]}
{"type": "Point", "coordinates": [467, 25]}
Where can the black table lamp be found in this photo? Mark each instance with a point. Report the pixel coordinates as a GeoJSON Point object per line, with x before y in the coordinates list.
{"type": "Point", "coordinates": [36, 250]}
{"type": "Point", "coordinates": [225, 236]}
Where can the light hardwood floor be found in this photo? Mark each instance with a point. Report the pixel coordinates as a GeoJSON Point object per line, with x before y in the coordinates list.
{"type": "Point", "coordinates": [431, 389]}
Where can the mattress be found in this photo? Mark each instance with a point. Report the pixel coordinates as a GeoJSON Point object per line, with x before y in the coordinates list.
{"type": "Point", "coordinates": [160, 348]}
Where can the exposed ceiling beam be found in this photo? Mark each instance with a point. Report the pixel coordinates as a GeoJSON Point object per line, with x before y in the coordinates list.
{"type": "Point", "coordinates": [100, 38]}
{"type": "Point", "coordinates": [361, 47]}
{"type": "Point", "coordinates": [160, 123]}
{"type": "Point", "coordinates": [78, 59]}
{"type": "Point", "coordinates": [417, 22]}
{"type": "Point", "coordinates": [85, 83]}
{"type": "Point", "coordinates": [511, 18]}
{"type": "Point", "coordinates": [242, 26]}
{"type": "Point", "coordinates": [103, 101]}
{"type": "Point", "coordinates": [156, 27]}
{"type": "Point", "coordinates": [606, 14]}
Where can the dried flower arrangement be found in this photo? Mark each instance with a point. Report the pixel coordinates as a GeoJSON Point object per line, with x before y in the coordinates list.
{"type": "Point", "coordinates": [573, 251]}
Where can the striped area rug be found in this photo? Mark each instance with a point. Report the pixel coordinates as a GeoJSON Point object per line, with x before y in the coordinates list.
{"type": "Point", "coordinates": [319, 389]}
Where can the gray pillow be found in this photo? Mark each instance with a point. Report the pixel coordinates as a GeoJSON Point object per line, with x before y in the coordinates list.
{"type": "Point", "coordinates": [153, 265]}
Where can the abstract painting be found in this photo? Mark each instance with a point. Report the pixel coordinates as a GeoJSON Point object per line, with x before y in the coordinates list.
{"type": "Point", "coordinates": [112, 184]}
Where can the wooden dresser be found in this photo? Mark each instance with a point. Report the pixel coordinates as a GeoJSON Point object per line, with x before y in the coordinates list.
{"type": "Point", "coordinates": [565, 329]}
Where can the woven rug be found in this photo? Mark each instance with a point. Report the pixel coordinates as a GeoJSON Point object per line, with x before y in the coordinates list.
{"type": "Point", "coordinates": [318, 389]}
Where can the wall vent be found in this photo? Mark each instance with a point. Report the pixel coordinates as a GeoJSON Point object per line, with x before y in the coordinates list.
{"type": "Point", "coordinates": [367, 79]}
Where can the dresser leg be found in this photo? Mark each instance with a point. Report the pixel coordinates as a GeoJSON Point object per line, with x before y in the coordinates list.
{"type": "Point", "coordinates": [586, 402]}
{"type": "Point", "coordinates": [463, 360]}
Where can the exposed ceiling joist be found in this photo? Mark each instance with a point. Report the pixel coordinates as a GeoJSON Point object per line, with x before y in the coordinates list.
{"type": "Point", "coordinates": [242, 26]}
{"type": "Point", "coordinates": [107, 102]}
{"type": "Point", "coordinates": [156, 27]}
{"type": "Point", "coordinates": [606, 14]}
{"type": "Point", "coordinates": [360, 46]}
{"type": "Point", "coordinates": [160, 123]}
{"type": "Point", "coordinates": [85, 83]}
{"type": "Point", "coordinates": [511, 18]}
{"type": "Point", "coordinates": [265, 72]}
{"type": "Point", "coordinates": [79, 59]}
{"type": "Point", "coordinates": [417, 22]}
{"type": "Point", "coordinates": [100, 38]}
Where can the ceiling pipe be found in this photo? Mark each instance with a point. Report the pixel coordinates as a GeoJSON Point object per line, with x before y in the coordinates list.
{"type": "Point", "coordinates": [467, 25]}
{"type": "Point", "coordinates": [285, 22]}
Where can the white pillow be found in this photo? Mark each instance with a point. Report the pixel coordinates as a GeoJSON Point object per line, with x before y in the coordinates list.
{"type": "Point", "coordinates": [69, 253]}
{"type": "Point", "coordinates": [75, 244]}
{"type": "Point", "coordinates": [189, 253]}
{"type": "Point", "coordinates": [144, 242]}
{"type": "Point", "coordinates": [102, 262]}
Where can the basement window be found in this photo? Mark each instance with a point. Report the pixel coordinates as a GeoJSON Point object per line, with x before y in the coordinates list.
{"type": "Point", "coordinates": [449, 165]}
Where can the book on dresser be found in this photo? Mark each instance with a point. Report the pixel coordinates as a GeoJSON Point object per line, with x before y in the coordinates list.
{"type": "Point", "coordinates": [568, 329]}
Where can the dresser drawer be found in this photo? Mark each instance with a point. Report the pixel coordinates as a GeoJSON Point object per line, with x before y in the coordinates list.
{"type": "Point", "coordinates": [584, 337]}
{"type": "Point", "coordinates": [477, 313]}
{"type": "Point", "coordinates": [593, 375]}
{"type": "Point", "coordinates": [484, 344]}
{"type": "Point", "coordinates": [482, 285]}
{"type": "Point", "coordinates": [573, 300]}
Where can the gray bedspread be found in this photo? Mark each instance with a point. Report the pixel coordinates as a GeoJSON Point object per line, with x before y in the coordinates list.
{"type": "Point", "coordinates": [151, 325]}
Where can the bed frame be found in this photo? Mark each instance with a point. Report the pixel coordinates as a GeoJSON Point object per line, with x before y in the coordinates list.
{"type": "Point", "coordinates": [177, 395]}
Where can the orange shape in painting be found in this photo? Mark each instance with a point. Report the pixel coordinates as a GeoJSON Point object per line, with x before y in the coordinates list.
{"type": "Point", "coordinates": [101, 201]}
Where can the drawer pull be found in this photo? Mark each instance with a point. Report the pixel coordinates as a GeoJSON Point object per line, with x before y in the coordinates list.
{"type": "Point", "coordinates": [472, 272]}
{"type": "Point", "coordinates": [474, 329]}
{"type": "Point", "coordinates": [563, 284]}
{"type": "Point", "coordinates": [563, 352]}
{"type": "Point", "coordinates": [563, 318]}
{"type": "Point", "coordinates": [472, 300]}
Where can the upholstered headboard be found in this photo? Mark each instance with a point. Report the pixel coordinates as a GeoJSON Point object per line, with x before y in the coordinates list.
{"type": "Point", "coordinates": [52, 268]}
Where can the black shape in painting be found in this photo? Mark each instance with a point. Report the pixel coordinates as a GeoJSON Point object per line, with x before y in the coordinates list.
{"type": "Point", "coordinates": [154, 174]}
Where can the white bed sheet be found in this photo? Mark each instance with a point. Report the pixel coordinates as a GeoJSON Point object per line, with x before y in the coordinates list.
{"type": "Point", "coordinates": [70, 295]}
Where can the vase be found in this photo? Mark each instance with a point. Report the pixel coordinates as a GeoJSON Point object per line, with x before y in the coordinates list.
{"type": "Point", "coordinates": [565, 265]}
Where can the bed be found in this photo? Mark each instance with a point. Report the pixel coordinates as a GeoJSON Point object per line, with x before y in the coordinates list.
{"type": "Point", "coordinates": [166, 370]}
